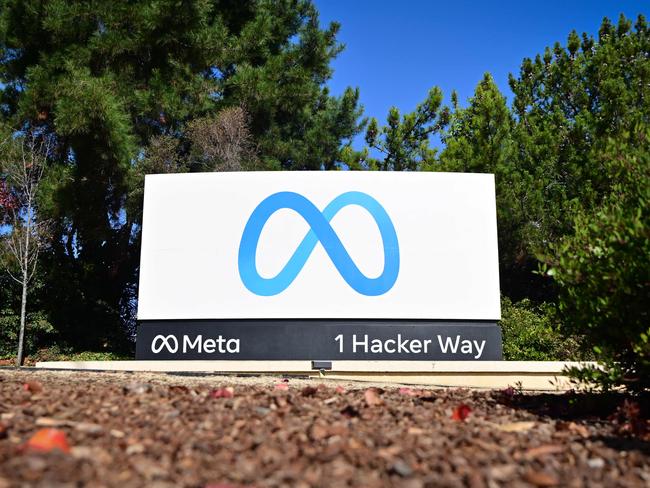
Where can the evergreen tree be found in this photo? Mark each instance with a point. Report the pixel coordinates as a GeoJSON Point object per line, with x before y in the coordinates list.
{"type": "Point", "coordinates": [105, 78]}
{"type": "Point", "coordinates": [404, 143]}
{"type": "Point", "coordinates": [480, 140]}
{"type": "Point", "coordinates": [568, 103]}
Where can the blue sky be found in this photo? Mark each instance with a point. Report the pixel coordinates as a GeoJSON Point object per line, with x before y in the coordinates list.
{"type": "Point", "coordinates": [397, 50]}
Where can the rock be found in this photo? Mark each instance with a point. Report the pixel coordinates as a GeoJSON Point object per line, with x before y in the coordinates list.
{"type": "Point", "coordinates": [135, 449]}
{"type": "Point", "coordinates": [596, 463]}
{"type": "Point", "coordinates": [137, 388]}
{"type": "Point", "coordinates": [502, 472]}
{"type": "Point", "coordinates": [401, 468]}
{"type": "Point", "coordinates": [88, 428]}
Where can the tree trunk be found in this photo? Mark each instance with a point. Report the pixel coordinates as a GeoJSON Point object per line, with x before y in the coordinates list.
{"type": "Point", "coordinates": [21, 333]}
{"type": "Point", "coordinates": [23, 301]}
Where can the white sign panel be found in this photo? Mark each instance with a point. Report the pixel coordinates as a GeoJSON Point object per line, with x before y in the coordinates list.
{"type": "Point", "coordinates": [325, 245]}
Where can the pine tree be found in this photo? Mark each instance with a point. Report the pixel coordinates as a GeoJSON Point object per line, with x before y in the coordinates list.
{"type": "Point", "coordinates": [404, 143]}
{"type": "Point", "coordinates": [480, 140]}
{"type": "Point", "coordinates": [105, 78]}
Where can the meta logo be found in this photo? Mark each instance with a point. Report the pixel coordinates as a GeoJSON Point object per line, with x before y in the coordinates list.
{"type": "Point", "coordinates": [169, 342]}
{"type": "Point", "coordinates": [198, 343]}
{"type": "Point", "coordinates": [320, 231]}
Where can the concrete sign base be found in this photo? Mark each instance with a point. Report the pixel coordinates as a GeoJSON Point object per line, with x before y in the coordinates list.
{"type": "Point", "coordinates": [527, 375]}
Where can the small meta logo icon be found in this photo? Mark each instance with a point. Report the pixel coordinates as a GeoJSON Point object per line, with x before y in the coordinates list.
{"type": "Point", "coordinates": [320, 231]}
{"type": "Point", "coordinates": [168, 342]}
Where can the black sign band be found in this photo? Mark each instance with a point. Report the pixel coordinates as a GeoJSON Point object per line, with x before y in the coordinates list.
{"type": "Point", "coordinates": [318, 340]}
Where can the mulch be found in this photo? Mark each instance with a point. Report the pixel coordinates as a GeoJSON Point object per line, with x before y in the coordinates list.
{"type": "Point", "coordinates": [131, 430]}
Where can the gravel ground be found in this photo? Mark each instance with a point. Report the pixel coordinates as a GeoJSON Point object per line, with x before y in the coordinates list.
{"type": "Point", "coordinates": [129, 430]}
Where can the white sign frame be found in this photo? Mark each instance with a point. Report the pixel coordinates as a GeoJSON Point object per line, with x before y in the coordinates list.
{"type": "Point", "coordinates": [445, 225]}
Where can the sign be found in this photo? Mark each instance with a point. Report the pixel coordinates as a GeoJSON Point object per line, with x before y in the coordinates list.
{"type": "Point", "coordinates": [314, 340]}
{"type": "Point", "coordinates": [283, 263]}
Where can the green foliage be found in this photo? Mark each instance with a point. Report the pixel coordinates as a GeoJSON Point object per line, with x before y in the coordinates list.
{"type": "Point", "coordinates": [603, 268]}
{"type": "Point", "coordinates": [530, 333]}
{"type": "Point", "coordinates": [117, 83]}
{"type": "Point", "coordinates": [404, 143]}
{"type": "Point", "coordinates": [58, 353]}
{"type": "Point", "coordinates": [128, 88]}
{"type": "Point", "coordinates": [568, 103]}
{"type": "Point", "coordinates": [38, 327]}
{"type": "Point", "coordinates": [37, 332]}
{"type": "Point", "coordinates": [480, 139]}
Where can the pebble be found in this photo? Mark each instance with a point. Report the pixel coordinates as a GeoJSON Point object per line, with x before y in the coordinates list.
{"type": "Point", "coordinates": [401, 468]}
{"type": "Point", "coordinates": [596, 463]}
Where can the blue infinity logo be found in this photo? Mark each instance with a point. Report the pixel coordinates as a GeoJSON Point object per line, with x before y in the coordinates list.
{"type": "Point", "coordinates": [320, 230]}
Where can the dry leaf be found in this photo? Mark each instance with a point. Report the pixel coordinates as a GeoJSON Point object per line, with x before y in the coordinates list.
{"type": "Point", "coordinates": [407, 392]}
{"type": "Point", "coordinates": [46, 440]}
{"type": "Point", "coordinates": [33, 386]}
{"type": "Point", "coordinates": [543, 450]}
{"type": "Point", "coordinates": [371, 395]}
{"type": "Point", "coordinates": [539, 478]}
{"type": "Point", "coordinates": [178, 389]}
{"type": "Point", "coordinates": [572, 427]}
{"type": "Point", "coordinates": [309, 391]}
{"type": "Point", "coordinates": [225, 392]}
{"type": "Point", "coordinates": [51, 422]}
{"type": "Point", "coordinates": [390, 452]}
{"type": "Point", "coordinates": [461, 412]}
{"type": "Point", "coordinates": [516, 426]}
{"type": "Point", "coordinates": [318, 432]}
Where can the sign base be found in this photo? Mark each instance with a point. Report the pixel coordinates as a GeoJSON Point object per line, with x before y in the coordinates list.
{"type": "Point", "coordinates": [318, 340]}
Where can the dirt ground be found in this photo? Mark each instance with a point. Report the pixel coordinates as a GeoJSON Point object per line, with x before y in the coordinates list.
{"type": "Point", "coordinates": [130, 430]}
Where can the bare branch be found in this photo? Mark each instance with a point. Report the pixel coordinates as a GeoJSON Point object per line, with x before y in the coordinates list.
{"type": "Point", "coordinates": [224, 142]}
{"type": "Point", "coordinates": [19, 281]}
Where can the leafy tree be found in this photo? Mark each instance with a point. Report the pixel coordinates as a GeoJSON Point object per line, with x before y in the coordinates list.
{"type": "Point", "coordinates": [603, 270]}
{"type": "Point", "coordinates": [112, 81]}
{"type": "Point", "coordinates": [23, 163]}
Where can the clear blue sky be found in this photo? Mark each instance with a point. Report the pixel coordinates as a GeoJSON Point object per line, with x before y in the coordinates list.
{"type": "Point", "coordinates": [397, 50]}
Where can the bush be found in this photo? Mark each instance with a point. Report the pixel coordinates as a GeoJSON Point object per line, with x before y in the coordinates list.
{"type": "Point", "coordinates": [38, 331]}
{"type": "Point", "coordinates": [530, 333]}
{"type": "Point", "coordinates": [59, 353]}
{"type": "Point", "coordinates": [603, 272]}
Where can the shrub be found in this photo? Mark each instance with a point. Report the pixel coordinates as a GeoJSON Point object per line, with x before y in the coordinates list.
{"type": "Point", "coordinates": [530, 333]}
{"type": "Point", "coordinates": [37, 332]}
{"type": "Point", "coordinates": [603, 271]}
{"type": "Point", "coordinates": [58, 353]}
